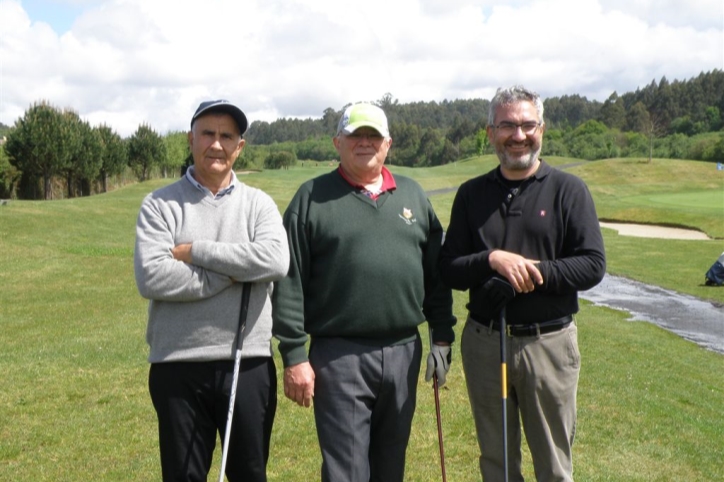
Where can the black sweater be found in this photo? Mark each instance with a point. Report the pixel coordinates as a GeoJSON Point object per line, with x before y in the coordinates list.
{"type": "Point", "coordinates": [551, 218]}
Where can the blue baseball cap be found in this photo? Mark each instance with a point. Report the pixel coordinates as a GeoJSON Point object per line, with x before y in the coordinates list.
{"type": "Point", "coordinates": [224, 106]}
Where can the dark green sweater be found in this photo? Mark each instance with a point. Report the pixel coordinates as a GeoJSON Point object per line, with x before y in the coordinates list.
{"type": "Point", "coordinates": [360, 268]}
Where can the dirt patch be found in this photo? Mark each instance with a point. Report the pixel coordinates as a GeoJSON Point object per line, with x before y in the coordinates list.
{"type": "Point", "coordinates": [651, 231]}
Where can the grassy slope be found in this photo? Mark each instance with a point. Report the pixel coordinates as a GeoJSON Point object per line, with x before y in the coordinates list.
{"type": "Point", "coordinates": [676, 193]}
{"type": "Point", "coordinates": [74, 402]}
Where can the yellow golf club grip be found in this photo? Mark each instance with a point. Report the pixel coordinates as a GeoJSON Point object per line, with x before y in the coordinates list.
{"type": "Point", "coordinates": [504, 378]}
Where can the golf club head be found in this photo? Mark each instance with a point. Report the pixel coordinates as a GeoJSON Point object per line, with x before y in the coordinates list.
{"type": "Point", "coordinates": [499, 292]}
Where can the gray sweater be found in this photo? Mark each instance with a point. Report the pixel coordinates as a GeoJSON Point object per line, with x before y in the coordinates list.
{"type": "Point", "coordinates": [193, 311]}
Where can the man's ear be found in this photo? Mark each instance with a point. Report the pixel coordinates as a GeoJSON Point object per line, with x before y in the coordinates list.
{"type": "Point", "coordinates": [240, 147]}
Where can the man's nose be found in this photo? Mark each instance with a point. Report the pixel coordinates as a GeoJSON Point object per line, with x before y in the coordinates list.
{"type": "Point", "coordinates": [518, 133]}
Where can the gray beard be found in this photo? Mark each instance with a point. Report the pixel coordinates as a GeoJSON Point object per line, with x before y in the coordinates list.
{"type": "Point", "coordinates": [517, 163]}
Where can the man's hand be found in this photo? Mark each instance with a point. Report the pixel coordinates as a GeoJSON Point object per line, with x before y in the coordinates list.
{"type": "Point", "coordinates": [182, 252]}
{"type": "Point", "coordinates": [521, 273]}
{"type": "Point", "coordinates": [438, 362]}
{"type": "Point", "coordinates": [299, 383]}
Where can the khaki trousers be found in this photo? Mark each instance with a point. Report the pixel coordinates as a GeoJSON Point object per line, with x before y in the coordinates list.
{"type": "Point", "coordinates": [542, 382]}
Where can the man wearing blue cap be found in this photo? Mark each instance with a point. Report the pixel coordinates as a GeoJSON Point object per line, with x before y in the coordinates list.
{"type": "Point", "coordinates": [363, 276]}
{"type": "Point", "coordinates": [197, 241]}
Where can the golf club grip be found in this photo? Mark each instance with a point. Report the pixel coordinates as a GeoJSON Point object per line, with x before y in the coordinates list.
{"type": "Point", "coordinates": [243, 312]}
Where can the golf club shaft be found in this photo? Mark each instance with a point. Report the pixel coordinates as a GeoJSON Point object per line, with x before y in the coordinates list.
{"type": "Point", "coordinates": [239, 342]}
{"type": "Point", "coordinates": [436, 389]}
{"type": "Point", "coordinates": [439, 426]}
{"type": "Point", "coordinates": [504, 388]}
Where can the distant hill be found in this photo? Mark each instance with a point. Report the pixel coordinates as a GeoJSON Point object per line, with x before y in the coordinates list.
{"type": "Point", "coordinates": [688, 107]}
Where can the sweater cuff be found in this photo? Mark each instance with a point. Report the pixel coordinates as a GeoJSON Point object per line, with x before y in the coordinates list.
{"type": "Point", "coordinates": [294, 356]}
{"type": "Point", "coordinates": [444, 334]}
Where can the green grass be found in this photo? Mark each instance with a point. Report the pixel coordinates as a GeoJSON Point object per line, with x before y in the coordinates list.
{"type": "Point", "coordinates": [675, 193]}
{"type": "Point", "coordinates": [74, 403]}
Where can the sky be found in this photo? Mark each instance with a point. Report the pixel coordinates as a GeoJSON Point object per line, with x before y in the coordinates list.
{"type": "Point", "coordinates": [124, 63]}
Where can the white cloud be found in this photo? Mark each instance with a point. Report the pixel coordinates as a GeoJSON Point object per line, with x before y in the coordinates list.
{"type": "Point", "coordinates": [126, 62]}
{"type": "Point", "coordinates": [699, 14]}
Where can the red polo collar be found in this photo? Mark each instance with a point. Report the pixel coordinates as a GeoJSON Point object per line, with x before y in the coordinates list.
{"type": "Point", "coordinates": [388, 183]}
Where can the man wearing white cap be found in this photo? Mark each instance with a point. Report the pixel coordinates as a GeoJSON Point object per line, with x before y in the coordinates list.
{"type": "Point", "coordinates": [197, 241]}
{"type": "Point", "coordinates": [363, 276]}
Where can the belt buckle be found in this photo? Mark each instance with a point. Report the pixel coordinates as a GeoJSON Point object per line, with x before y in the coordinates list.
{"type": "Point", "coordinates": [508, 331]}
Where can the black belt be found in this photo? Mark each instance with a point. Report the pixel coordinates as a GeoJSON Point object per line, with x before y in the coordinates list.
{"type": "Point", "coordinates": [531, 329]}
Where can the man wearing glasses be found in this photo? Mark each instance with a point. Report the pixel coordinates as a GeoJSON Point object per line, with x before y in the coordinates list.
{"type": "Point", "coordinates": [536, 228]}
{"type": "Point", "coordinates": [363, 275]}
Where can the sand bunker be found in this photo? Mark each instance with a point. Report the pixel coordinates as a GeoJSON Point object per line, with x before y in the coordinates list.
{"type": "Point", "coordinates": [650, 231]}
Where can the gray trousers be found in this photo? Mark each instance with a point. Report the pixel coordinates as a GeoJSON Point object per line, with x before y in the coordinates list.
{"type": "Point", "coordinates": [542, 383]}
{"type": "Point", "coordinates": [364, 401]}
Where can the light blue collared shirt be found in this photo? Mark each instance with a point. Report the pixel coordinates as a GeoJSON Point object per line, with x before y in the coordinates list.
{"type": "Point", "coordinates": [222, 192]}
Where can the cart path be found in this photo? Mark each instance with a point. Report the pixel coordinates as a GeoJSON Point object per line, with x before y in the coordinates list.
{"type": "Point", "coordinates": [694, 319]}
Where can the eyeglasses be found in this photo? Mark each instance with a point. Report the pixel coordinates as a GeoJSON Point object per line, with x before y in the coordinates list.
{"type": "Point", "coordinates": [508, 128]}
{"type": "Point", "coordinates": [370, 136]}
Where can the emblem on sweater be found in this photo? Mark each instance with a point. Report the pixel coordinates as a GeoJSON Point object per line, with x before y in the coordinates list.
{"type": "Point", "coordinates": [407, 216]}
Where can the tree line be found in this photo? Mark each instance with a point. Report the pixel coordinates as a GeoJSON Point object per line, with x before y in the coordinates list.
{"type": "Point", "coordinates": [48, 146]}
{"type": "Point", "coordinates": [679, 119]}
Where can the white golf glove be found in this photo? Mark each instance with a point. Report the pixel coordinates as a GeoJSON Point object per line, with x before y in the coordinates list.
{"type": "Point", "coordinates": [438, 362]}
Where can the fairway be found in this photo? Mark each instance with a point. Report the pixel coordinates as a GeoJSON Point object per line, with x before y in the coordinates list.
{"type": "Point", "coordinates": [708, 202]}
{"type": "Point", "coordinates": [75, 406]}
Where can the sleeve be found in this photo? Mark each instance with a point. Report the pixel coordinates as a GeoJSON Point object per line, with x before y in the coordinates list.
{"type": "Point", "coordinates": [288, 297]}
{"type": "Point", "coordinates": [581, 264]}
{"type": "Point", "coordinates": [262, 259]}
{"type": "Point", "coordinates": [437, 304]}
{"type": "Point", "coordinates": [158, 275]}
{"type": "Point", "coordinates": [461, 267]}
